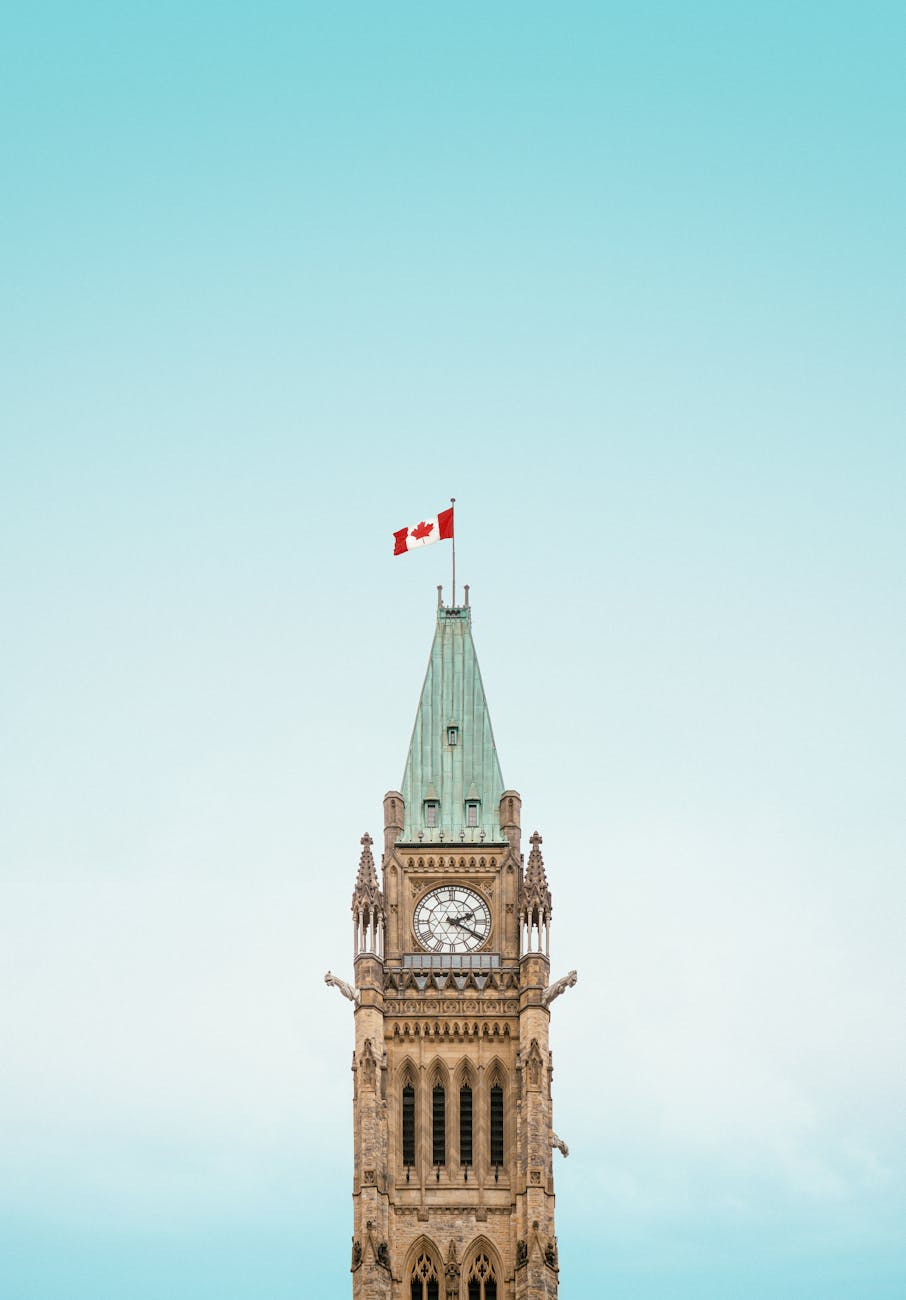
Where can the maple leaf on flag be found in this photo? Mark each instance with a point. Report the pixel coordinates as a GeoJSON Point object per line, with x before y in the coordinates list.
{"type": "Point", "coordinates": [422, 530]}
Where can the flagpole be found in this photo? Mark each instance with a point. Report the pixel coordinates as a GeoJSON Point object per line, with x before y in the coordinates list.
{"type": "Point", "coordinates": [453, 540]}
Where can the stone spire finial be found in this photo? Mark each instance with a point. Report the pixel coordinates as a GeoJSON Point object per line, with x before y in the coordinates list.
{"type": "Point", "coordinates": [366, 882]}
{"type": "Point", "coordinates": [535, 887]}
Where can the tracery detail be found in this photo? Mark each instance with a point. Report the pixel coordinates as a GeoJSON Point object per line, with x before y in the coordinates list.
{"type": "Point", "coordinates": [424, 1281]}
{"type": "Point", "coordinates": [482, 1279]}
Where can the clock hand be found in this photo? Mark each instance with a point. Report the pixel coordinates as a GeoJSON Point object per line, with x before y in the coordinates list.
{"type": "Point", "coordinates": [468, 928]}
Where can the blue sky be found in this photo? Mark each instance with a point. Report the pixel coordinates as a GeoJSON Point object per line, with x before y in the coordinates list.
{"type": "Point", "coordinates": [628, 281]}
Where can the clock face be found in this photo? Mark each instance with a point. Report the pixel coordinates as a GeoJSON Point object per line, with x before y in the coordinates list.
{"type": "Point", "coordinates": [452, 919]}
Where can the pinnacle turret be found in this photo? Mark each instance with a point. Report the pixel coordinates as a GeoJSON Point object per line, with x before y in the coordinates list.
{"type": "Point", "coordinates": [368, 903]}
{"type": "Point", "coordinates": [366, 882]}
{"type": "Point", "coordinates": [536, 907]}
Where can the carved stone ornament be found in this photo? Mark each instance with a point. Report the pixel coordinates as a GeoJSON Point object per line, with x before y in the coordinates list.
{"type": "Point", "coordinates": [560, 986]}
{"type": "Point", "coordinates": [535, 1063]}
{"type": "Point", "coordinates": [334, 981]}
{"type": "Point", "coordinates": [451, 1273]}
{"type": "Point", "coordinates": [382, 1255]}
{"type": "Point", "coordinates": [550, 1253]}
{"type": "Point", "coordinates": [521, 1253]}
{"type": "Point", "coordinates": [484, 1028]}
{"type": "Point", "coordinates": [356, 1255]}
{"type": "Point", "coordinates": [559, 1144]}
{"type": "Point", "coordinates": [368, 1176]}
{"type": "Point", "coordinates": [369, 1064]}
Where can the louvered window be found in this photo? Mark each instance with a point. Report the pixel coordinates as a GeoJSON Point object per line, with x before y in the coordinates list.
{"type": "Point", "coordinates": [439, 1126]}
{"type": "Point", "coordinates": [430, 813]}
{"type": "Point", "coordinates": [465, 1125]}
{"type": "Point", "coordinates": [497, 1125]}
{"type": "Point", "coordinates": [408, 1125]}
{"type": "Point", "coordinates": [472, 812]}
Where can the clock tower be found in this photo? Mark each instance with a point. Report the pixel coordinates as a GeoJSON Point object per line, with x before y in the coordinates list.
{"type": "Point", "coordinates": [453, 1188]}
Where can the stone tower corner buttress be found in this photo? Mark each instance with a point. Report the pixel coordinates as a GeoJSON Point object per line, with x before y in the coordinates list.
{"type": "Point", "coordinates": [453, 1188]}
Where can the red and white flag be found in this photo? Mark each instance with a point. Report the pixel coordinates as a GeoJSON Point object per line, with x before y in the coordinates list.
{"type": "Point", "coordinates": [424, 533]}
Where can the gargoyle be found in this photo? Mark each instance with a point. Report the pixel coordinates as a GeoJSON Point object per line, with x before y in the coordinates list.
{"type": "Point", "coordinates": [554, 990]}
{"type": "Point", "coordinates": [346, 989]}
{"type": "Point", "coordinates": [559, 1144]}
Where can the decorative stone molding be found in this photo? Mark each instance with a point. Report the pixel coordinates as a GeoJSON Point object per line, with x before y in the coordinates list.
{"type": "Point", "coordinates": [447, 1006]}
{"type": "Point", "coordinates": [451, 864]}
{"type": "Point", "coordinates": [452, 1032]}
{"type": "Point", "coordinates": [368, 1064]}
{"type": "Point", "coordinates": [534, 1064]}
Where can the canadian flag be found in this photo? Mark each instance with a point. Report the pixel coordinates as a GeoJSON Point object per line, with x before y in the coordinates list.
{"type": "Point", "coordinates": [424, 533]}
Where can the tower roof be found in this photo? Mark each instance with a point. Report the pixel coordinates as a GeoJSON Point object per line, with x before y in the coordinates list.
{"type": "Point", "coordinates": [452, 757]}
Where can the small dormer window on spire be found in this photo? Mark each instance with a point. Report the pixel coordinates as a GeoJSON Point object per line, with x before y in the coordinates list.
{"type": "Point", "coordinates": [472, 807]}
{"type": "Point", "coordinates": [452, 735]}
{"type": "Point", "coordinates": [431, 813]}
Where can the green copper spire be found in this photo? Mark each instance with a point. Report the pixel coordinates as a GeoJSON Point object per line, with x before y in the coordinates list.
{"type": "Point", "coordinates": [452, 783]}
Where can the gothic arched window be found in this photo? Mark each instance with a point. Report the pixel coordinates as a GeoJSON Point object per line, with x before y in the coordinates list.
{"type": "Point", "coordinates": [482, 1279]}
{"type": "Point", "coordinates": [465, 1124]}
{"type": "Point", "coordinates": [439, 1125]}
{"type": "Point", "coordinates": [424, 1279]}
{"type": "Point", "coordinates": [496, 1125]}
{"type": "Point", "coordinates": [408, 1125]}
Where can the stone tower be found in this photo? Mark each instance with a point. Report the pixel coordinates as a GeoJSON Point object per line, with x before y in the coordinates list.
{"type": "Point", "coordinates": [453, 1186]}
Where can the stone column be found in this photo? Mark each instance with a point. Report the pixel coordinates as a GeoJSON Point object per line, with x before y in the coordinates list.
{"type": "Point", "coordinates": [371, 1262]}
{"type": "Point", "coordinates": [536, 1258]}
